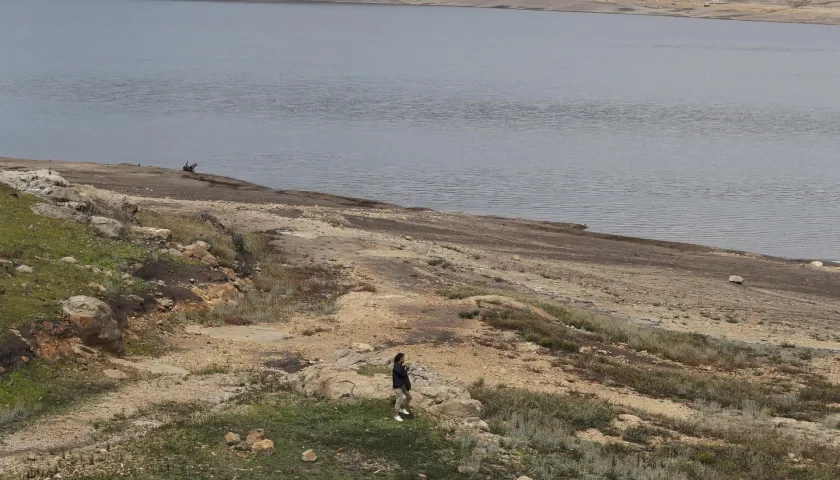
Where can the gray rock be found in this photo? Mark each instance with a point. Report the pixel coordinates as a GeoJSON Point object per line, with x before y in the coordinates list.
{"type": "Point", "coordinates": [61, 213]}
{"type": "Point", "coordinates": [736, 279]}
{"type": "Point", "coordinates": [107, 226]}
{"type": "Point", "coordinates": [114, 374]}
{"type": "Point", "coordinates": [150, 233]}
{"type": "Point", "coordinates": [68, 260]}
{"type": "Point", "coordinates": [24, 269]}
{"type": "Point", "coordinates": [95, 323]}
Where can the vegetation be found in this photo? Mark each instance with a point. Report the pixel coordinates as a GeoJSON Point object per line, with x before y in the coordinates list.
{"type": "Point", "coordinates": [40, 243]}
{"type": "Point", "coordinates": [43, 386]}
{"type": "Point", "coordinates": [351, 439]}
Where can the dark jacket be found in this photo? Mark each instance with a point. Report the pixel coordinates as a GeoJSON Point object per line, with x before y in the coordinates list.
{"type": "Point", "coordinates": [401, 377]}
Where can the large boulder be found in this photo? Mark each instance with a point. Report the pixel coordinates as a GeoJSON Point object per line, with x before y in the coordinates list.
{"type": "Point", "coordinates": [62, 213]}
{"type": "Point", "coordinates": [107, 226]}
{"type": "Point", "coordinates": [95, 323]}
{"type": "Point", "coordinates": [43, 183]}
{"type": "Point", "coordinates": [430, 391]}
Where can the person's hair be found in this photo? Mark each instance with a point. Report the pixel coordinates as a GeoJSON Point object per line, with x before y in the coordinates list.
{"type": "Point", "coordinates": [398, 357]}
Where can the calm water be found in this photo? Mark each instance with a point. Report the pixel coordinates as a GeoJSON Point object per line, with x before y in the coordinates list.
{"type": "Point", "coordinates": [723, 133]}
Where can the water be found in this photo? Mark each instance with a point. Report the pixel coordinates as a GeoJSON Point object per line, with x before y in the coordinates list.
{"type": "Point", "coordinates": [714, 132]}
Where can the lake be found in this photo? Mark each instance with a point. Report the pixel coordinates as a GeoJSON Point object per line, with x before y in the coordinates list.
{"type": "Point", "coordinates": [715, 132]}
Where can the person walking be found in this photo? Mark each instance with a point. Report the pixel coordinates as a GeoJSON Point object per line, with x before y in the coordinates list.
{"type": "Point", "coordinates": [402, 387]}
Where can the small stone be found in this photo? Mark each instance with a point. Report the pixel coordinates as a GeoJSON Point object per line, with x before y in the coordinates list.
{"type": "Point", "coordinates": [263, 447]}
{"type": "Point", "coordinates": [115, 374]}
{"type": "Point", "coordinates": [98, 287]}
{"type": "Point", "coordinates": [68, 260]}
{"type": "Point", "coordinates": [255, 436]}
{"type": "Point", "coordinates": [736, 279]}
{"type": "Point", "coordinates": [25, 359]}
{"type": "Point", "coordinates": [309, 456]}
{"type": "Point", "coordinates": [232, 438]}
{"type": "Point", "coordinates": [422, 476]}
{"type": "Point", "coordinates": [58, 476]}
{"type": "Point", "coordinates": [192, 280]}
{"type": "Point", "coordinates": [523, 477]}
{"type": "Point", "coordinates": [817, 263]}
{"type": "Point", "coordinates": [791, 455]}
{"type": "Point", "coordinates": [24, 269]}
{"type": "Point", "coordinates": [31, 457]}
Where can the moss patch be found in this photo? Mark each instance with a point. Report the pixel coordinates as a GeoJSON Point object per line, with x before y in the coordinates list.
{"type": "Point", "coordinates": [40, 243]}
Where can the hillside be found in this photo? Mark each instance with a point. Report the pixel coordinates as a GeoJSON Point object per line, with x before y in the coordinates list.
{"type": "Point", "coordinates": [537, 349]}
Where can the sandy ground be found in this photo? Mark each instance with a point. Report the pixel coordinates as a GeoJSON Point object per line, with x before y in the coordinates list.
{"type": "Point", "coordinates": [674, 286]}
{"type": "Point", "coordinates": [826, 12]}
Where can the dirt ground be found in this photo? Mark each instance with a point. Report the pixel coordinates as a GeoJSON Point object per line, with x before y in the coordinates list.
{"type": "Point", "coordinates": [673, 286]}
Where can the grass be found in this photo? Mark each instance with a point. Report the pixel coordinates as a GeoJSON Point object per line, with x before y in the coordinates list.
{"type": "Point", "coordinates": [812, 402]}
{"type": "Point", "coordinates": [40, 242]}
{"type": "Point", "coordinates": [686, 348]}
{"type": "Point", "coordinates": [187, 229]}
{"type": "Point", "coordinates": [642, 434]}
{"type": "Point", "coordinates": [371, 370]}
{"type": "Point", "coordinates": [43, 386]}
{"type": "Point", "coordinates": [212, 369]}
{"type": "Point", "coordinates": [536, 329]}
{"type": "Point", "coordinates": [541, 427]}
{"type": "Point", "coordinates": [352, 440]}
{"type": "Point", "coordinates": [278, 293]}
{"type": "Point", "coordinates": [507, 409]}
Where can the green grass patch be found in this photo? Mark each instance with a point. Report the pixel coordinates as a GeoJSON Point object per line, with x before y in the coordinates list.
{"type": "Point", "coordinates": [40, 242]}
{"type": "Point", "coordinates": [352, 440]}
{"type": "Point", "coordinates": [536, 329]}
{"type": "Point", "coordinates": [43, 386]}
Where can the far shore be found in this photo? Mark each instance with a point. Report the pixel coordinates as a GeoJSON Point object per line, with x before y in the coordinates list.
{"type": "Point", "coordinates": [822, 12]}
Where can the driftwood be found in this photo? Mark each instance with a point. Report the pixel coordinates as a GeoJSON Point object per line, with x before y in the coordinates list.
{"type": "Point", "coordinates": [190, 168]}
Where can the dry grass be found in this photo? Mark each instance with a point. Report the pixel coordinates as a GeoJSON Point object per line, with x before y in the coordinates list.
{"type": "Point", "coordinates": [187, 229]}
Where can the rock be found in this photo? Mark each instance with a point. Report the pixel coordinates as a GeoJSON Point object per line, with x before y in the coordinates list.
{"type": "Point", "coordinates": [114, 374]}
{"type": "Point", "coordinates": [61, 213]}
{"type": "Point", "coordinates": [151, 233]}
{"type": "Point", "coordinates": [202, 244]}
{"type": "Point", "coordinates": [43, 183]}
{"type": "Point", "coordinates": [458, 408]}
{"type": "Point", "coordinates": [309, 456]}
{"type": "Point", "coordinates": [478, 424]}
{"type": "Point", "coordinates": [165, 304]}
{"type": "Point", "coordinates": [736, 279]}
{"type": "Point", "coordinates": [817, 263]}
{"type": "Point", "coordinates": [97, 286]}
{"type": "Point", "coordinates": [68, 260]}
{"type": "Point", "coordinates": [255, 436]}
{"type": "Point", "coordinates": [95, 323]}
{"type": "Point", "coordinates": [337, 354]}
{"type": "Point", "coordinates": [361, 347]}
{"type": "Point", "coordinates": [210, 260]}
{"type": "Point", "coordinates": [83, 351]}
{"type": "Point", "coordinates": [523, 477]}
{"type": "Point", "coordinates": [24, 269]}
{"type": "Point", "coordinates": [263, 447]}
{"type": "Point", "coordinates": [175, 253]}
{"type": "Point", "coordinates": [232, 438]}
{"type": "Point", "coordinates": [107, 226]}
{"type": "Point", "coordinates": [466, 469]}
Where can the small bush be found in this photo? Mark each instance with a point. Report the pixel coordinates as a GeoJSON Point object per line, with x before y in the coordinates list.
{"type": "Point", "coordinates": [642, 434]}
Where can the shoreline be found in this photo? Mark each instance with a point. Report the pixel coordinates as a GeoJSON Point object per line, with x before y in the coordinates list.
{"type": "Point", "coordinates": [174, 184]}
{"type": "Point", "coordinates": [756, 11]}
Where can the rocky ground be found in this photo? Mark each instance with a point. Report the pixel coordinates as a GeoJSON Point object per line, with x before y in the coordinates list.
{"type": "Point", "coordinates": [440, 288]}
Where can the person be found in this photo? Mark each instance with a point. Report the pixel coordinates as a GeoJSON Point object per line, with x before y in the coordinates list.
{"type": "Point", "coordinates": [402, 387]}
